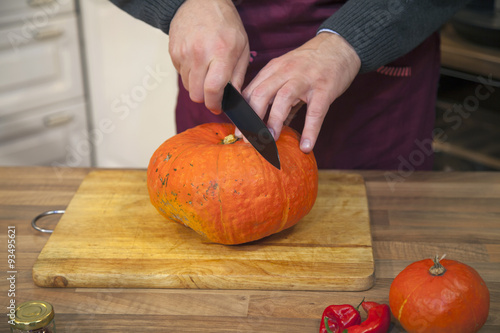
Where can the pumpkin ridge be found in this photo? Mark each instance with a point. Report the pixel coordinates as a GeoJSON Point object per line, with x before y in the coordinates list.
{"type": "Point", "coordinates": [286, 209]}
{"type": "Point", "coordinates": [304, 174]}
{"type": "Point", "coordinates": [221, 222]}
{"type": "Point", "coordinates": [406, 299]}
{"type": "Point", "coordinates": [284, 195]}
{"type": "Point", "coordinates": [401, 308]}
{"type": "Point", "coordinates": [264, 164]}
{"type": "Point", "coordinates": [286, 199]}
{"type": "Point", "coordinates": [261, 159]}
{"type": "Point", "coordinates": [166, 183]}
{"type": "Point", "coordinates": [462, 297]}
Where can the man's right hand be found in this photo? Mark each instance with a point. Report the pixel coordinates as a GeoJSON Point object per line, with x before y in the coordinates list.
{"type": "Point", "coordinates": [209, 47]}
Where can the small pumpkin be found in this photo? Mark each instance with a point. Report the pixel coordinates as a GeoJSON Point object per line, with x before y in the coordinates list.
{"type": "Point", "coordinates": [221, 187]}
{"type": "Point", "coordinates": [439, 296]}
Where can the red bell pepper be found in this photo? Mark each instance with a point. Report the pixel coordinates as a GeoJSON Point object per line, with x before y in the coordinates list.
{"type": "Point", "coordinates": [378, 320]}
{"type": "Point", "coordinates": [336, 317]}
{"type": "Point", "coordinates": [346, 318]}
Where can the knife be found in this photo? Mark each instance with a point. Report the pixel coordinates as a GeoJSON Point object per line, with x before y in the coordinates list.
{"type": "Point", "coordinates": [250, 124]}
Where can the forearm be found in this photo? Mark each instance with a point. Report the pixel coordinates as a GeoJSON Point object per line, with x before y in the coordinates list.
{"type": "Point", "coordinates": [156, 13]}
{"type": "Point", "coordinates": [381, 31]}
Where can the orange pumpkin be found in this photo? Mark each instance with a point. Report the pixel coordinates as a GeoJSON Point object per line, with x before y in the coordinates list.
{"type": "Point", "coordinates": [224, 190]}
{"type": "Point", "coordinates": [439, 296]}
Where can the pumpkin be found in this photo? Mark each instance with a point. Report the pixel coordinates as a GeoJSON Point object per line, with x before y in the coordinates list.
{"type": "Point", "coordinates": [439, 296]}
{"type": "Point", "coordinates": [223, 189]}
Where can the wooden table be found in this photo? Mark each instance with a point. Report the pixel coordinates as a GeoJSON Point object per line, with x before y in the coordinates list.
{"type": "Point", "coordinates": [421, 215]}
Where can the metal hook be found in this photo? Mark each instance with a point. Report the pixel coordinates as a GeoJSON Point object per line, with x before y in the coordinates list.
{"type": "Point", "coordinates": [50, 212]}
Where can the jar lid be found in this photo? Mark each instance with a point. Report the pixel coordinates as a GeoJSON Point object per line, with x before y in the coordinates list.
{"type": "Point", "coordinates": [32, 315]}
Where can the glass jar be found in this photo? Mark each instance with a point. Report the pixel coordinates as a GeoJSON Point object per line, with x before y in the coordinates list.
{"type": "Point", "coordinates": [34, 317]}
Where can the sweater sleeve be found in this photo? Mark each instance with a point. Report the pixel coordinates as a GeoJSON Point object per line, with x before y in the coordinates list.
{"type": "Point", "coordinates": [381, 31]}
{"type": "Point", "coordinates": [156, 13]}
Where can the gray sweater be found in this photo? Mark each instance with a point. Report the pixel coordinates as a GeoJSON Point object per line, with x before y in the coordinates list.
{"type": "Point", "coordinates": [379, 30]}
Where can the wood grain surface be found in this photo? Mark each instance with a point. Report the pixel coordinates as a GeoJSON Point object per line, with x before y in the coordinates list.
{"type": "Point", "coordinates": [112, 236]}
{"type": "Point", "coordinates": [463, 55]}
{"type": "Point", "coordinates": [420, 215]}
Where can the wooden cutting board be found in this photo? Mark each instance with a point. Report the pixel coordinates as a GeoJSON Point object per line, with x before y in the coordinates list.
{"type": "Point", "coordinates": [111, 236]}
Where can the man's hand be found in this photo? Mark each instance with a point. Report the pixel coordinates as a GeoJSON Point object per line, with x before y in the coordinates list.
{"type": "Point", "coordinates": [315, 73]}
{"type": "Point", "coordinates": [209, 47]}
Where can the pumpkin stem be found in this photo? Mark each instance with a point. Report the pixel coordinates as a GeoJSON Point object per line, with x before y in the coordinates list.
{"type": "Point", "coordinates": [229, 139]}
{"type": "Point", "coordinates": [437, 269]}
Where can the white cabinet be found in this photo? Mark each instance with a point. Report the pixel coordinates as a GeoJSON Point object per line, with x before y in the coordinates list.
{"type": "Point", "coordinates": [52, 136]}
{"type": "Point", "coordinates": [42, 70]}
{"type": "Point", "coordinates": [43, 112]}
{"type": "Point", "coordinates": [48, 116]}
{"type": "Point", "coordinates": [33, 13]}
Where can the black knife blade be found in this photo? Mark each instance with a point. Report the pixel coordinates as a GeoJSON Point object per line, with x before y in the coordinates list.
{"type": "Point", "coordinates": [250, 125]}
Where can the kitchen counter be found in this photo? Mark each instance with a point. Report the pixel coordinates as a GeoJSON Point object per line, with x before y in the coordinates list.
{"type": "Point", "coordinates": [462, 55]}
{"type": "Point", "coordinates": [423, 214]}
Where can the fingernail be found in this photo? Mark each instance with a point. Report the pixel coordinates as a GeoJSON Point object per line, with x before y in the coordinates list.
{"type": "Point", "coordinates": [272, 133]}
{"type": "Point", "coordinates": [305, 145]}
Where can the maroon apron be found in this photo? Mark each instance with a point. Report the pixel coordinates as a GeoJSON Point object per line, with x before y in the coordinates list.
{"type": "Point", "coordinates": [383, 121]}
